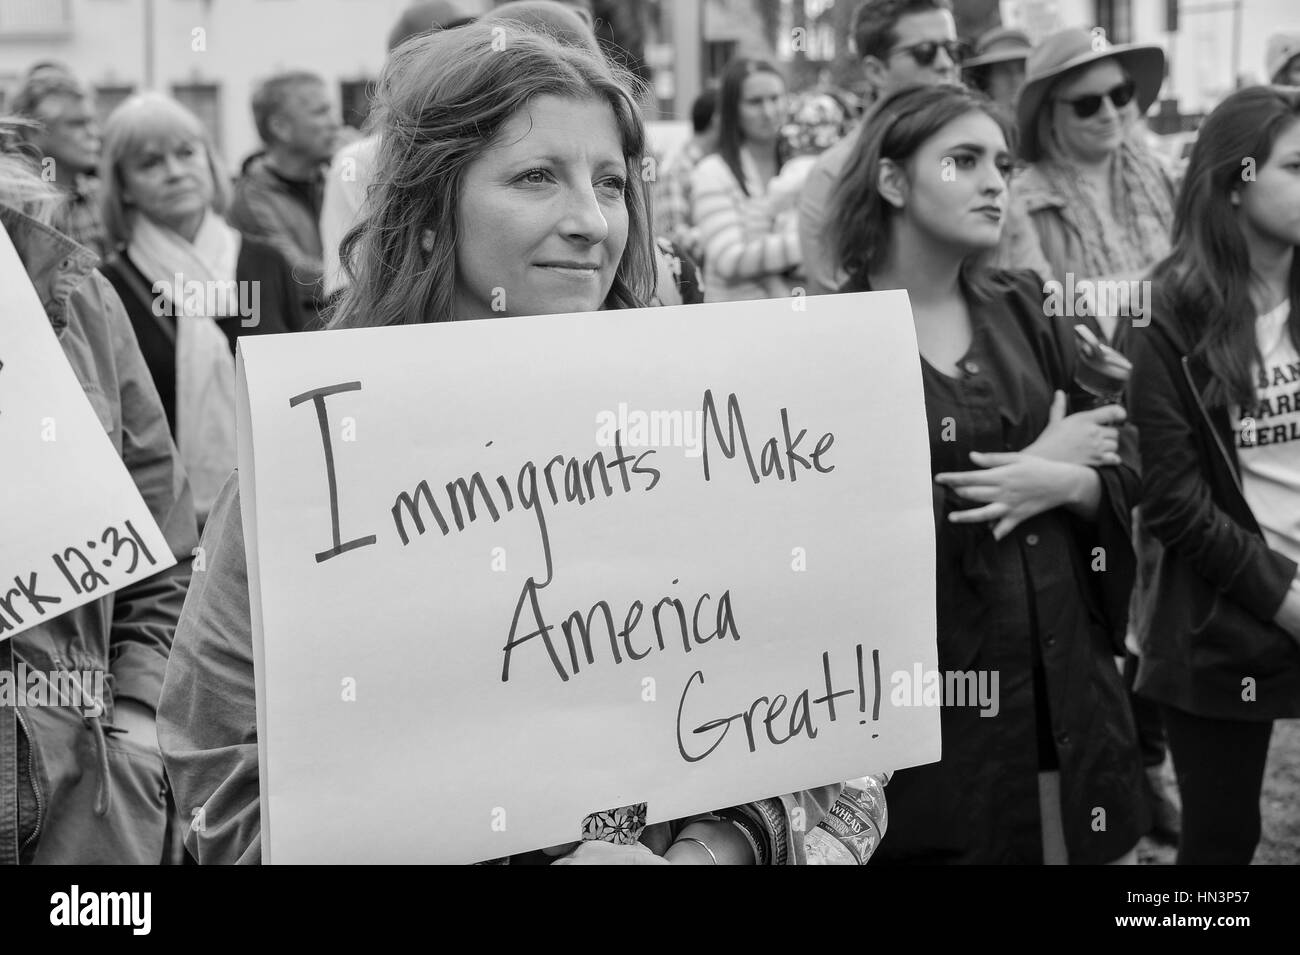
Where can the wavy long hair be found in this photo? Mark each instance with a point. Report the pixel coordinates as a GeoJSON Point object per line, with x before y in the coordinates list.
{"type": "Point", "coordinates": [858, 231]}
{"type": "Point", "coordinates": [442, 101]}
{"type": "Point", "coordinates": [1206, 278]}
{"type": "Point", "coordinates": [21, 188]}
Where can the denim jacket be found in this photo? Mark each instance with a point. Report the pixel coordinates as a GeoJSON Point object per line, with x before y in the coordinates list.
{"type": "Point", "coordinates": [72, 789]}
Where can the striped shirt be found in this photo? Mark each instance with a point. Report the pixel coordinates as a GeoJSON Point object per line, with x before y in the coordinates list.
{"type": "Point", "coordinates": [742, 240]}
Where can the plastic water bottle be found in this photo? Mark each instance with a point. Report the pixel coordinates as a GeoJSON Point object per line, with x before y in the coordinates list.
{"type": "Point", "coordinates": [854, 826]}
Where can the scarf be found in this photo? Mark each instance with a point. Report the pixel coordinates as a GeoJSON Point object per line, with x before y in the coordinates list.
{"type": "Point", "coordinates": [1138, 236]}
{"type": "Point", "coordinates": [205, 370]}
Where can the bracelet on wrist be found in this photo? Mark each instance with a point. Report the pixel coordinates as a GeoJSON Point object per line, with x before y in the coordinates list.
{"type": "Point", "coordinates": [699, 842]}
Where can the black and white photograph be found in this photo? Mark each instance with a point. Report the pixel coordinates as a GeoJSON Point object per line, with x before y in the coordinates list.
{"type": "Point", "coordinates": [499, 433]}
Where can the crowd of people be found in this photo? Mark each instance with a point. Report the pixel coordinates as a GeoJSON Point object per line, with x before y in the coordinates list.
{"type": "Point", "coordinates": [1156, 433]}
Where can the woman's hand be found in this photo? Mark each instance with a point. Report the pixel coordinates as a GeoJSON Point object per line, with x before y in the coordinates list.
{"type": "Point", "coordinates": [1015, 487]}
{"type": "Point", "coordinates": [1089, 438]}
{"type": "Point", "coordinates": [595, 852]}
{"type": "Point", "coordinates": [726, 846]}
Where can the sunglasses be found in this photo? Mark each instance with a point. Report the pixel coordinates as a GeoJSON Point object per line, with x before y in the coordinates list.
{"type": "Point", "coordinates": [925, 52]}
{"type": "Point", "coordinates": [1119, 96]}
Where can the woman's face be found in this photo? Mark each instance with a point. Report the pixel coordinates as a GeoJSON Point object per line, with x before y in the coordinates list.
{"type": "Point", "coordinates": [762, 107]}
{"type": "Point", "coordinates": [1092, 138]}
{"type": "Point", "coordinates": [1005, 81]}
{"type": "Point", "coordinates": [168, 180]}
{"type": "Point", "coordinates": [957, 187]}
{"type": "Point", "coordinates": [1270, 205]}
{"type": "Point", "coordinates": [543, 217]}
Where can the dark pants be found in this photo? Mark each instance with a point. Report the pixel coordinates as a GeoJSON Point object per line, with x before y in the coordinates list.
{"type": "Point", "coordinates": [1220, 770]}
{"type": "Point", "coordinates": [1146, 717]}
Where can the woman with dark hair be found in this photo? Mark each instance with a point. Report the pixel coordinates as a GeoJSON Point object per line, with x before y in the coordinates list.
{"type": "Point", "coordinates": [1030, 505]}
{"type": "Point", "coordinates": [749, 251]}
{"type": "Point", "coordinates": [1213, 395]}
{"type": "Point", "coordinates": [506, 183]}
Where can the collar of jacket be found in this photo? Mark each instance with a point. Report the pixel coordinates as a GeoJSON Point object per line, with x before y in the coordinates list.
{"type": "Point", "coordinates": [1034, 191]}
{"type": "Point", "coordinates": [1197, 376]}
{"type": "Point", "coordinates": [55, 264]}
{"type": "Point", "coordinates": [258, 168]}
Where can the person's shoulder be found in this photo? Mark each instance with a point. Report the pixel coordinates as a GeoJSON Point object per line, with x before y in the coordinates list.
{"type": "Point", "coordinates": [1024, 285]}
{"type": "Point", "coordinates": [258, 255]}
{"type": "Point", "coordinates": [126, 282]}
{"type": "Point", "coordinates": [712, 174]}
{"type": "Point", "coordinates": [710, 167]}
{"type": "Point", "coordinates": [1033, 190]}
{"type": "Point", "coordinates": [834, 157]}
{"type": "Point", "coordinates": [254, 177]}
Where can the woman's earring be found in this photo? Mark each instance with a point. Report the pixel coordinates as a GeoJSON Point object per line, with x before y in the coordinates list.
{"type": "Point", "coordinates": [1235, 197]}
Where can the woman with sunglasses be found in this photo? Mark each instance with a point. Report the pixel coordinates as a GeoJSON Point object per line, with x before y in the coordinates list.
{"type": "Point", "coordinates": [1101, 204]}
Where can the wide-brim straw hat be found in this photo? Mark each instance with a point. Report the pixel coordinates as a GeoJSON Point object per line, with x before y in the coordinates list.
{"type": "Point", "coordinates": [999, 45]}
{"type": "Point", "coordinates": [1068, 50]}
{"type": "Point", "coordinates": [1282, 49]}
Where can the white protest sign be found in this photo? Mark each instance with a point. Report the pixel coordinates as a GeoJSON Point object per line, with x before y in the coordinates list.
{"type": "Point", "coordinates": [75, 526]}
{"type": "Point", "coordinates": [508, 573]}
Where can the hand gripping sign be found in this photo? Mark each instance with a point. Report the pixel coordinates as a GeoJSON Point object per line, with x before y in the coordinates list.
{"type": "Point", "coordinates": [75, 528]}
{"type": "Point", "coordinates": [509, 573]}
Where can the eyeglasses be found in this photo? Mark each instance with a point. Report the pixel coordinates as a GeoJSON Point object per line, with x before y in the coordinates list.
{"type": "Point", "coordinates": [1119, 96]}
{"type": "Point", "coordinates": [925, 52]}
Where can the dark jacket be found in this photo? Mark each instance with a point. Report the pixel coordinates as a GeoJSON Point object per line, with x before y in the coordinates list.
{"type": "Point", "coordinates": [278, 311]}
{"type": "Point", "coordinates": [1209, 645]}
{"type": "Point", "coordinates": [1043, 609]}
{"type": "Point", "coordinates": [76, 792]}
{"type": "Point", "coordinates": [268, 207]}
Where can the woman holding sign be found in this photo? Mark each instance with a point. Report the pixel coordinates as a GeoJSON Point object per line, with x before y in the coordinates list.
{"type": "Point", "coordinates": [1031, 508]}
{"type": "Point", "coordinates": [506, 183]}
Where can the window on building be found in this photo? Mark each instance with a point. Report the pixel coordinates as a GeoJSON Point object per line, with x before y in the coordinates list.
{"type": "Point", "coordinates": [204, 101]}
{"type": "Point", "coordinates": [35, 18]}
{"type": "Point", "coordinates": [109, 98]}
{"type": "Point", "coordinates": [1116, 18]}
{"type": "Point", "coordinates": [356, 97]}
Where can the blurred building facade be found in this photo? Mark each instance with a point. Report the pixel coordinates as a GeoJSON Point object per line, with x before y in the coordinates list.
{"type": "Point", "coordinates": [211, 53]}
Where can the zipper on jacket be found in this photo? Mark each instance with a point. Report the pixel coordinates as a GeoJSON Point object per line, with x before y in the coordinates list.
{"type": "Point", "coordinates": [31, 779]}
{"type": "Point", "coordinates": [1227, 458]}
{"type": "Point", "coordinates": [94, 722]}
